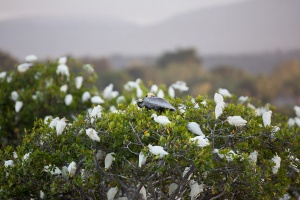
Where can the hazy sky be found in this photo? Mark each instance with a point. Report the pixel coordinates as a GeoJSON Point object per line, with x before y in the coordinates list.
{"type": "Point", "coordinates": [142, 12]}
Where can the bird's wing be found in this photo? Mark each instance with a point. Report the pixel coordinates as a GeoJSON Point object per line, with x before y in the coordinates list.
{"type": "Point", "coordinates": [158, 102]}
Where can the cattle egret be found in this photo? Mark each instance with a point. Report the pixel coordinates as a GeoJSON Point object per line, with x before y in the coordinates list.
{"type": "Point", "coordinates": [130, 85]}
{"type": "Point", "coordinates": [60, 126]}
{"type": "Point", "coordinates": [218, 98]}
{"type": "Point", "coordinates": [26, 156]}
{"type": "Point", "coordinates": [68, 99]}
{"type": "Point", "coordinates": [24, 67]}
{"type": "Point", "coordinates": [160, 94]}
{"type": "Point", "coordinates": [108, 92]}
{"type": "Point", "coordinates": [96, 113]}
{"type": "Point", "coordinates": [204, 103]}
{"type": "Point", "coordinates": [9, 78]}
{"type": "Point", "coordinates": [143, 193]}
{"type": "Point", "coordinates": [171, 92]}
{"type": "Point", "coordinates": [8, 163]}
{"type": "Point", "coordinates": [78, 82]}
{"type": "Point", "coordinates": [242, 99]}
{"type": "Point", "coordinates": [54, 171]}
{"type": "Point", "coordinates": [72, 168]}
{"type": "Point", "coordinates": [157, 150]}
{"type": "Point", "coordinates": [201, 141]}
{"type": "Point", "coordinates": [163, 120]}
{"type": "Point", "coordinates": [112, 193]}
{"type": "Point", "coordinates": [15, 155]}
{"type": "Point", "coordinates": [260, 111]}
{"type": "Point", "coordinates": [85, 96]}
{"type": "Point", "coordinates": [62, 69]}
{"type": "Point", "coordinates": [154, 88]}
{"type": "Point", "coordinates": [276, 159]}
{"type": "Point", "coordinates": [253, 157]}
{"type": "Point", "coordinates": [89, 68]}
{"type": "Point", "coordinates": [3, 75]}
{"type": "Point", "coordinates": [97, 100]}
{"type": "Point", "coordinates": [31, 58]}
{"type": "Point", "coordinates": [139, 92]}
{"type": "Point", "coordinates": [224, 92]}
{"type": "Point", "coordinates": [14, 95]}
{"type": "Point", "coordinates": [172, 188]}
{"type": "Point", "coordinates": [196, 189]}
{"type": "Point", "coordinates": [297, 110]}
{"type": "Point", "coordinates": [62, 60]}
{"type": "Point", "coordinates": [297, 121]}
{"type": "Point", "coordinates": [266, 116]}
{"type": "Point", "coordinates": [196, 105]}
{"type": "Point", "coordinates": [251, 106]}
{"type": "Point", "coordinates": [236, 121]}
{"type": "Point", "coordinates": [155, 103]}
{"type": "Point", "coordinates": [53, 122]}
{"type": "Point", "coordinates": [142, 159]}
{"type": "Point", "coordinates": [229, 156]}
{"type": "Point", "coordinates": [291, 122]}
{"type": "Point", "coordinates": [195, 128]}
{"type": "Point", "coordinates": [64, 172]}
{"type": "Point", "coordinates": [219, 109]}
{"type": "Point", "coordinates": [180, 85]}
{"type": "Point", "coordinates": [64, 88]}
{"type": "Point", "coordinates": [18, 106]}
{"type": "Point", "coordinates": [108, 160]}
{"type": "Point", "coordinates": [92, 134]}
{"type": "Point", "coordinates": [120, 99]}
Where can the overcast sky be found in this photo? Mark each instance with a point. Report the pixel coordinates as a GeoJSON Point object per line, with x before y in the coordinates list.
{"type": "Point", "coordinates": [142, 12]}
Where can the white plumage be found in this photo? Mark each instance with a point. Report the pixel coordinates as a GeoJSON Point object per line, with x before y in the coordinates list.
{"type": "Point", "coordinates": [142, 159]}
{"type": "Point", "coordinates": [18, 106]}
{"type": "Point", "coordinates": [195, 128]}
{"type": "Point", "coordinates": [143, 193]}
{"type": "Point", "coordinates": [108, 92]}
{"type": "Point", "coordinates": [78, 82]}
{"type": "Point", "coordinates": [243, 99]}
{"type": "Point", "coordinates": [160, 93]}
{"type": "Point", "coordinates": [62, 69]}
{"type": "Point", "coordinates": [163, 120]}
{"type": "Point", "coordinates": [97, 100]}
{"type": "Point", "coordinates": [96, 113]}
{"type": "Point", "coordinates": [62, 60]}
{"type": "Point", "coordinates": [68, 99]}
{"type": "Point", "coordinates": [297, 121]}
{"type": "Point", "coordinates": [224, 92]}
{"type": "Point", "coordinates": [14, 95]}
{"type": "Point", "coordinates": [31, 58]}
{"type": "Point", "coordinates": [180, 85]}
{"type": "Point", "coordinates": [297, 110]}
{"type": "Point", "coordinates": [201, 141]}
{"type": "Point", "coordinates": [253, 157]}
{"type": "Point", "coordinates": [60, 126]}
{"type": "Point", "coordinates": [111, 193]}
{"type": "Point", "coordinates": [8, 163]}
{"type": "Point", "coordinates": [276, 159]}
{"type": "Point", "coordinates": [139, 91]}
{"type": "Point", "coordinates": [92, 134]}
{"type": "Point", "coordinates": [196, 189]}
{"type": "Point", "coordinates": [72, 168]}
{"type": "Point", "coordinates": [24, 67]}
{"type": "Point", "coordinates": [64, 88]}
{"type": "Point", "coordinates": [108, 160]}
{"type": "Point", "coordinates": [154, 89]}
{"type": "Point", "coordinates": [157, 150]}
{"type": "Point", "coordinates": [219, 109]}
{"type": "Point", "coordinates": [291, 122]}
{"type": "Point", "coordinates": [236, 121]}
{"type": "Point", "coordinates": [218, 98]}
{"type": "Point", "coordinates": [85, 96]}
{"type": "Point", "coordinates": [266, 116]}
{"type": "Point", "coordinates": [171, 92]}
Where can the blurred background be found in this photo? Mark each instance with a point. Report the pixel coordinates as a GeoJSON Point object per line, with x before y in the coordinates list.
{"type": "Point", "coordinates": [250, 47]}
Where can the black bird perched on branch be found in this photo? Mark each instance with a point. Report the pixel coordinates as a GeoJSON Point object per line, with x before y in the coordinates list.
{"type": "Point", "coordinates": [155, 103]}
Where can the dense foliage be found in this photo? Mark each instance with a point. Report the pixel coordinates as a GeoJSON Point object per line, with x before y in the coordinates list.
{"type": "Point", "coordinates": [106, 153]}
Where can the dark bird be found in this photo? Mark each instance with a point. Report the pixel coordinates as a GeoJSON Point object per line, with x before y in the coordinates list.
{"type": "Point", "coordinates": [155, 103]}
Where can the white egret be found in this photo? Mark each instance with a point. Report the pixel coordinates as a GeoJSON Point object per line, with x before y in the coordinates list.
{"type": "Point", "coordinates": [89, 68]}
{"type": "Point", "coordinates": [157, 150]}
{"type": "Point", "coordinates": [54, 171]}
{"type": "Point", "coordinates": [297, 110]}
{"type": "Point", "coordinates": [100, 155]}
{"type": "Point", "coordinates": [92, 134]}
{"type": "Point", "coordinates": [8, 163]}
{"type": "Point", "coordinates": [9, 78]}
{"type": "Point", "coordinates": [62, 60]}
{"type": "Point", "coordinates": [31, 58]}
{"type": "Point", "coordinates": [60, 126]}
{"type": "Point", "coordinates": [236, 121]}
{"type": "Point", "coordinates": [229, 156]}
{"type": "Point", "coordinates": [78, 82]}
{"type": "Point", "coordinates": [46, 118]}
{"type": "Point", "coordinates": [109, 158]}
{"type": "Point", "coordinates": [180, 85]}
{"type": "Point", "coordinates": [224, 92]}
{"type": "Point", "coordinates": [14, 95]}
{"type": "Point", "coordinates": [195, 128]}
{"type": "Point", "coordinates": [130, 85]}
{"type": "Point", "coordinates": [68, 99]}
{"type": "Point", "coordinates": [201, 140]}
{"type": "Point", "coordinates": [143, 193]}
{"type": "Point", "coordinates": [196, 189]}
{"type": "Point", "coordinates": [42, 195]}
{"type": "Point", "coordinates": [204, 103]}
{"type": "Point", "coordinates": [72, 168]}
{"type": "Point", "coordinates": [251, 106]}
{"type": "Point", "coordinates": [172, 188]}
{"type": "Point", "coordinates": [64, 172]}
{"type": "Point", "coordinates": [219, 109]}
{"type": "Point", "coordinates": [97, 100]}
{"type": "Point", "coordinates": [291, 122]}
{"type": "Point", "coordinates": [160, 93]}
{"type": "Point", "coordinates": [120, 99]}
{"type": "Point", "coordinates": [142, 159]}
{"type": "Point", "coordinates": [297, 121]}
{"type": "Point", "coordinates": [139, 92]}
{"type": "Point", "coordinates": [171, 92]}
{"type": "Point", "coordinates": [24, 67]}
{"type": "Point", "coordinates": [276, 159]}
{"type": "Point", "coordinates": [253, 157]}
{"type": "Point", "coordinates": [260, 111]}
{"type": "Point", "coordinates": [62, 69]}
{"type": "Point", "coordinates": [218, 98]}
{"type": "Point", "coordinates": [266, 116]}
{"type": "Point", "coordinates": [15, 155]}
{"type": "Point", "coordinates": [3, 75]}
{"type": "Point", "coordinates": [96, 113]}
{"type": "Point", "coordinates": [26, 156]}
{"type": "Point", "coordinates": [242, 99]}
{"type": "Point", "coordinates": [182, 108]}
{"type": "Point", "coordinates": [108, 92]}
{"type": "Point", "coordinates": [154, 88]}
{"type": "Point", "coordinates": [53, 122]}
{"type": "Point", "coordinates": [18, 106]}
{"type": "Point", "coordinates": [85, 96]}
{"type": "Point", "coordinates": [163, 120]}
{"type": "Point", "coordinates": [64, 88]}
{"type": "Point", "coordinates": [111, 193]}
{"type": "Point", "coordinates": [196, 105]}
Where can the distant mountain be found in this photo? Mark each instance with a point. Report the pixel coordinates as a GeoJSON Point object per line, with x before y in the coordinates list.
{"type": "Point", "coordinates": [249, 27]}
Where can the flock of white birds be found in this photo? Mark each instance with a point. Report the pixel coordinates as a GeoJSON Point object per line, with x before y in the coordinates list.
{"type": "Point", "coordinates": [108, 93]}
